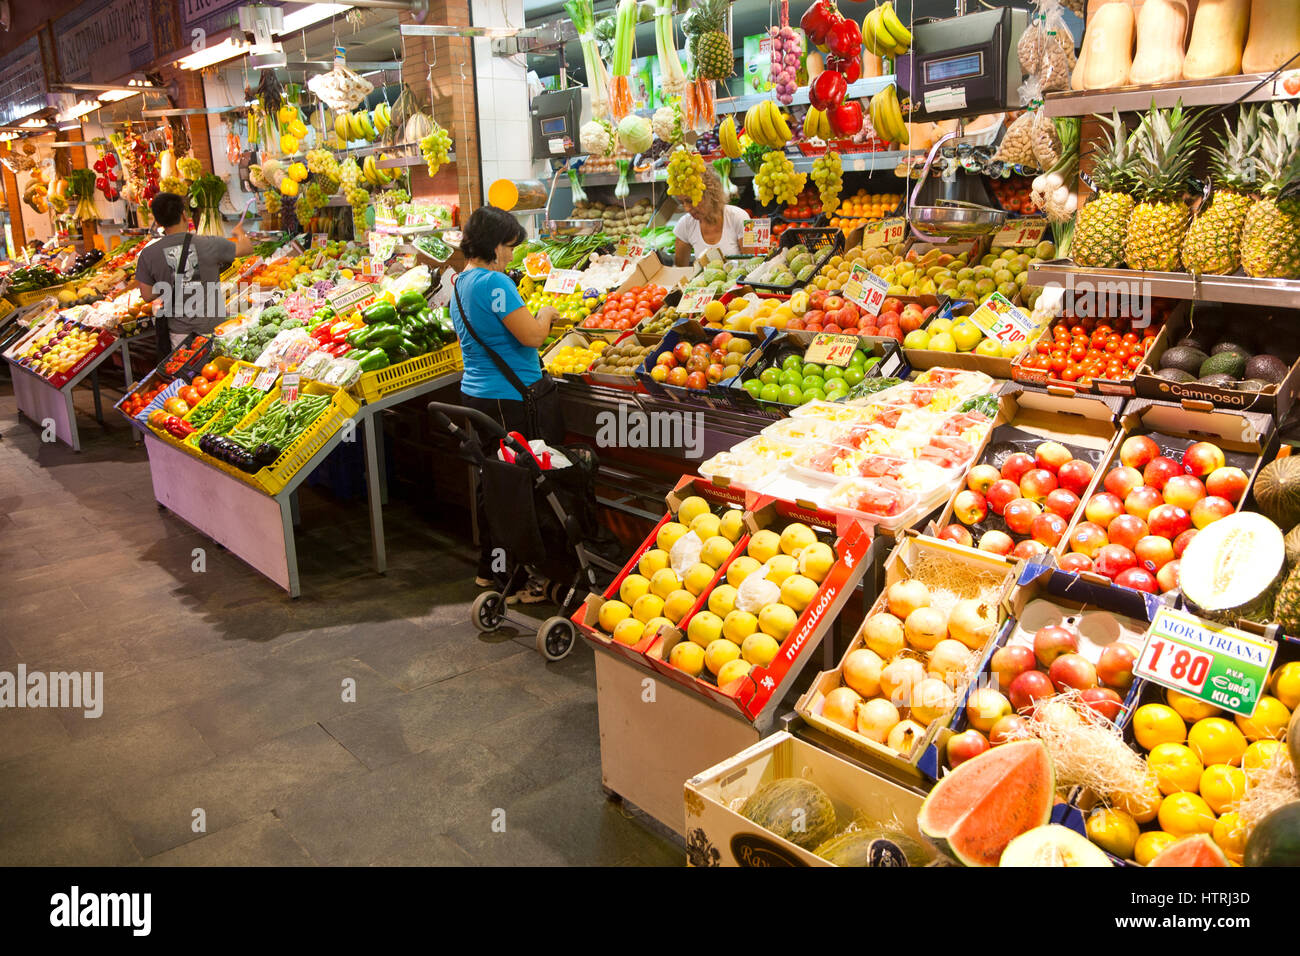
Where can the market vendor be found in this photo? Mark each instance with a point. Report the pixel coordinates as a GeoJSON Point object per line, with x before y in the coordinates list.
{"type": "Point", "coordinates": [184, 270]}
{"type": "Point", "coordinates": [709, 223]}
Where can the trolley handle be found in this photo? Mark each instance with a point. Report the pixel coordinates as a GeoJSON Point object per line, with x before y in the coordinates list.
{"type": "Point", "coordinates": [443, 412]}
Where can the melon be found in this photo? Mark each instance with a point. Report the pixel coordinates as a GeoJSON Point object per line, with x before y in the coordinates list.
{"type": "Point", "coordinates": [1053, 845]}
{"type": "Point", "coordinates": [796, 810]}
{"type": "Point", "coordinates": [1195, 850]}
{"type": "Point", "coordinates": [1292, 542]}
{"type": "Point", "coordinates": [872, 847]}
{"type": "Point", "coordinates": [986, 802]}
{"type": "Point", "coordinates": [1275, 841]}
{"type": "Point", "coordinates": [1277, 491]}
{"type": "Point", "coordinates": [1233, 568]}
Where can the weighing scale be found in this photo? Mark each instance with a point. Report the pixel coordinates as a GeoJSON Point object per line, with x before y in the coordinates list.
{"type": "Point", "coordinates": [964, 66]}
{"type": "Point", "coordinates": [556, 119]}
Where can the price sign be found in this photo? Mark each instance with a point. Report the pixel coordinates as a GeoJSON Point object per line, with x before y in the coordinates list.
{"type": "Point", "coordinates": [373, 266]}
{"type": "Point", "coordinates": [266, 378]}
{"type": "Point", "coordinates": [562, 281]}
{"type": "Point", "coordinates": [1021, 232]}
{"type": "Point", "coordinates": [694, 302]}
{"type": "Point", "coordinates": [289, 388]}
{"type": "Point", "coordinates": [382, 247]}
{"type": "Point", "coordinates": [319, 240]}
{"type": "Point", "coordinates": [884, 233]}
{"type": "Point", "coordinates": [757, 235]}
{"type": "Point", "coordinates": [1003, 322]}
{"type": "Point", "coordinates": [828, 348]}
{"type": "Point", "coordinates": [340, 58]}
{"type": "Point", "coordinates": [865, 289]}
{"type": "Point", "coordinates": [356, 296]}
{"type": "Point", "coordinates": [243, 376]}
{"type": "Point", "coordinates": [635, 248]}
{"type": "Point", "coordinates": [318, 261]}
{"type": "Point", "coordinates": [1211, 662]}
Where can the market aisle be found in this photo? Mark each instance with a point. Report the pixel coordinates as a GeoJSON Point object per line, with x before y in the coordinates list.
{"type": "Point", "coordinates": [222, 694]}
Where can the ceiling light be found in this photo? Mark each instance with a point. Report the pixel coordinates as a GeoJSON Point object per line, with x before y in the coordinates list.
{"type": "Point", "coordinates": [74, 109]}
{"type": "Point", "coordinates": [227, 49]}
{"type": "Point", "coordinates": [34, 124]}
{"type": "Point", "coordinates": [112, 96]}
{"type": "Point", "coordinates": [312, 14]}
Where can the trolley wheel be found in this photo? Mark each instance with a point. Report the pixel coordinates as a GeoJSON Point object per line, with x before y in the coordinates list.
{"type": "Point", "coordinates": [488, 610]}
{"type": "Point", "coordinates": [555, 638]}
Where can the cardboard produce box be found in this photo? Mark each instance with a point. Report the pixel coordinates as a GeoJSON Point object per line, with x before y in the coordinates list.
{"type": "Point", "coordinates": [717, 834]}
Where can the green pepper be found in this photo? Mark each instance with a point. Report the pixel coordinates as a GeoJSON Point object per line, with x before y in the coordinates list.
{"type": "Point", "coordinates": [411, 301]}
{"type": "Point", "coordinates": [378, 312]}
{"type": "Point", "coordinates": [357, 337]}
{"type": "Point", "coordinates": [412, 347]}
{"type": "Point", "coordinates": [387, 338]}
{"type": "Point", "coordinates": [373, 360]}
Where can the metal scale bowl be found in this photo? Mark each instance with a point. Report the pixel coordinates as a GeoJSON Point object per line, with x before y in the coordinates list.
{"type": "Point", "coordinates": [949, 218]}
{"type": "Point", "coordinates": [567, 228]}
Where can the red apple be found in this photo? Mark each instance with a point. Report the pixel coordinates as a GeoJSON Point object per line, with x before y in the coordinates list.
{"type": "Point", "coordinates": [1168, 521]}
{"type": "Point", "coordinates": [1126, 530]}
{"type": "Point", "coordinates": [1076, 562]}
{"type": "Point", "coordinates": [981, 478]}
{"type": "Point", "coordinates": [1227, 483]}
{"type": "Point", "coordinates": [1182, 541]}
{"type": "Point", "coordinates": [1052, 641]}
{"type": "Point", "coordinates": [1203, 458]}
{"type": "Point", "coordinates": [1209, 510]}
{"type": "Point", "coordinates": [818, 299]}
{"type": "Point", "coordinates": [970, 507]}
{"type": "Point", "coordinates": [1029, 688]}
{"type": "Point", "coordinates": [1104, 702]}
{"type": "Point", "coordinates": [1113, 559]}
{"type": "Point", "coordinates": [697, 381]}
{"type": "Point", "coordinates": [1103, 508]}
{"type": "Point", "coordinates": [1159, 470]}
{"type": "Point", "coordinates": [1072, 672]}
{"type": "Point", "coordinates": [1048, 528]}
{"type": "Point", "coordinates": [1027, 550]}
{"type": "Point", "coordinates": [955, 532]}
{"type": "Point", "coordinates": [1120, 481]}
{"type": "Point", "coordinates": [1167, 577]}
{"type": "Point", "coordinates": [891, 304]}
{"type": "Point", "coordinates": [1137, 451]}
{"type": "Point", "coordinates": [682, 352]}
{"type": "Point", "coordinates": [985, 707]}
{"type": "Point", "coordinates": [677, 376]}
{"type": "Point", "coordinates": [1036, 484]}
{"type": "Point", "coordinates": [963, 746]}
{"type": "Point", "coordinates": [666, 358]}
{"type": "Point", "coordinates": [1075, 475]}
{"type": "Point", "coordinates": [1019, 514]}
{"type": "Point", "coordinates": [715, 373]}
{"type": "Point", "coordinates": [997, 542]}
{"type": "Point", "coordinates": [720, 340]}
{"type": "Point", "coordinates": [1051, 455]}
{"type": "Point", "coordinates": [1184, 491]}
{"type": "Point", "coordinates": [1154, 552]}
{"type": "Point", "coordinates": [1016, 465]}
{"type": "Point", "coordinates": [1087, 538]}
{"type": "Point", "coordinates": [1138, 579]}
{"type": "Point", "coordinates": [1001, 493]}
{"type": "Point", "coordinates": [1009, 728]}
{"type": "Point", "coordinates": [1062, 502]}
{"type": "Point", "coordinates": [1010, 662]}
{"type": "Point", "coordinates": [1115, 665]}
{"type": "Point", "coordinates": [1141, 501]}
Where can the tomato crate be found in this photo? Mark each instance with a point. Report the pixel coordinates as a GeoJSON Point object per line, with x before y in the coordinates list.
{"type": "Point", "coordinates": [342, 407]}
{"type": "Point", "coordinates": [375, 385]}
{"type": "Point", "coordinates": [174, 366]}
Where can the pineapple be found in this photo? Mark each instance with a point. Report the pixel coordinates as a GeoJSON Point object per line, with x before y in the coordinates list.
{"type": "Point", "coordinates": [1270, 239]}
{"type": "Point", "coordinates": [710, 47]}
{"type": "Point", "coordinates": [1099, 228]}
{"type": "Point", "coordinates": [1164, 149]}
{"type": "Point", "coordinates": [1213, 243]}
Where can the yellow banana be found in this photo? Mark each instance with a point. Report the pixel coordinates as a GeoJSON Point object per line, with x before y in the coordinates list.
{"type": "Point", "coordinates": [767, 135]}
{"type": "Point", "coordinates": [869, 36]}
{"type": "Point", "coordinates": [727, 139]}
{"type": "Point", "coordinates": [873, 112]}
{"type": "Point", "coordinates": [751, 124]}
{"type": "Point", "coordinates": [780, 125]}
{"type": "Point", "coordinates": [895, 110]}
{"type": "Point", "coordinates": [341, 128]}
{"type": "Point", "coordinates": [901, 36]}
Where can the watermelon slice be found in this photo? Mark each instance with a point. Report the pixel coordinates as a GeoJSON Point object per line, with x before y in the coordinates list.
{"type": "Point", "coordinates": [1196, 850]}
{"type": "Point", "coordinates": [986, 802]}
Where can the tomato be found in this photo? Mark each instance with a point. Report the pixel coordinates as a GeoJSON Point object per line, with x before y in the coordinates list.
{"type": "Point", "coordinates": [211, 372]}
{"type": "Point", "coordinates": [1077, 353]}
{"type": "Point", "coordinates": [190, 395]}
{"type": "Point", "coordinates": [176, 406]}
{"type": "Point", "coordinates": [1133, 361]}
{"type": "Point", "coordinates": [199, 380]}
{"type": "Point", "coordinates": [1130, 337]}
{"type": "Point", "coordinates": [205, 387]}
{"type": "Point", "coordinates": [1071, 373]}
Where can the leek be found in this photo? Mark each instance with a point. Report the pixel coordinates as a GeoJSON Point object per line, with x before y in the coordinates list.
{"type": "Point", "coordinates": [674, 80]}
{"type": "Point", "coordinates": [624, 37]}
{"type": "Point", "coordinates": [575, 184]}
{"type": "Point", "coordinates": [723, 168]}
{"type": "Point", "coordinates": [597, 76]}
{"type": "Point", "coordinates": [622, 190]}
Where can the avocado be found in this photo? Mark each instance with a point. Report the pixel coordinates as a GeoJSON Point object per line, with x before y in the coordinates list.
{"type": "Point", "coordinates": [1175, 375]}
{"type": "Point", "coordinates": [1199, 342]}
{"type": "Point", "coordinates": [1185, 358]}
{"type": "Point", "coordinates": [1231, 364]}
{"type": "Point", "coordinates": [1227, 346]}
{"type": "Point", "coordinates": [1270, 368]}
{"type": "Point", "coordinates": [1218, 380]}
{"type": "Point", "coordinates": [1253, 385]}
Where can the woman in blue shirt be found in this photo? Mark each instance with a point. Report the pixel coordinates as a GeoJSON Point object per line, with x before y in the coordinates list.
{"type": "Point", "coordinates": [497, 314]}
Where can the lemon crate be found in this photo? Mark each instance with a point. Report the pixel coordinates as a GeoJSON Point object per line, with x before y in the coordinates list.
{"type": "Point", "coordinates": [342, 407]}
{"type": "Point", "coordinates": [27, 298]}
{"type": "Point", "coordinates": [375, 385]}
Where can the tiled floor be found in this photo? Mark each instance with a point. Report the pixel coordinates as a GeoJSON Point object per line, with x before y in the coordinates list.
{"type": "Point", "coordinates": [224, 698]}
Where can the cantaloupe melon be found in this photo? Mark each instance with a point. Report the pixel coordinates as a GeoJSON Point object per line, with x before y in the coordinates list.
{"type": "Point", "coordinates": [1233, 568]}
{"type": "Point", "coordinates": [797, 810]}
{"type": "Point", "coordinates": [1053, 845]}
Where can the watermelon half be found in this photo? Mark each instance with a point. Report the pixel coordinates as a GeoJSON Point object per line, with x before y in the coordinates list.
{"type": "Point", "coordinates": [1195, 850]}
{"type": "Point", "coordinates": [988, 801]}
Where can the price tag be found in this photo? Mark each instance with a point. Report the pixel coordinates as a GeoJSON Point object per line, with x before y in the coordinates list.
{"type": "Point", "coordinates": [694, 302]}
{"type": "Point", "coordinates": [289, 388]}
{"type": "Point", "coordinates": [1287, 85]}
{"type": "Point", "coordinates": [318, 261]}
{"type": "Point", "coordinates": [828, 348]}
{"type": "Point", "coordinates": [635, 248]}
{"type": "Point", "coordinates": [562, 281]}
{"type": "Point", "coordinates": [372, 266]}
{"type": "Point", "coordinates": [243, 376]}
{"type": "Point", "coordinates": [886, 232]}
{"type": "Point", "coordinates": [865, 289]}
{"type": "Point", "coordinates": [757, 235]}
{"type": "Point", "coordinates": [1021, 232]}
{"type": "Point", "coordinates": [1211, 662]}
{"type": "Point", "coordinates": [382, 248]}
{"type": "Point", "coordinates": [1003, 322]}
{"type": "Point", "coordinates": [356, 296]}
{"type": "Point", "coordinates": [340, 58]}
{"type": "Point", "coordinates": [266, 378]}
{"type": "Point", "coordinates": [319, 240]}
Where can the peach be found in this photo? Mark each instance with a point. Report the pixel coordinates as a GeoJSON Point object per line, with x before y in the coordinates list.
{"type": "Point", "coordinates": [969, 507]}
{"type": "Point", "coordinates": [1010, 662]}
{"type": "Point", "coordinates": [1167, 576]}
{"type": "Point", "coordinates": [1052, 455]}
{"type": "Point", "coordinates": [1036, 484]}
{"type": "Point", "coordinates": [957, 533]}
{"type": "Point", "coordinates": [1000, 493]}
{"type": "Point", "coordinates": [1048, 529]}
{"type": "Point", "coordinates": [998, 542]}
{"type": "Point", "coordinates": [1088, 538]}
{"type": "Point", "coordinates": [1052, 641]}
{"type": "Point", "coordinates": [1120, 481]}
{"type": "Point", "coordinates": [1168, 521]}
{"type": "Point", "coordinates": [1227, 483]}
{"type": "Point", "coordinates": [1209, 510]}
{"type": "Point", "coordinates": [981, 477]}
{"type": "Point", "coordinates": [1062, 502]}
{"type": "Point", "coordinates": [1015, 466]}
{"type": "Point", "coordinates": [1159, 470]}
{"type": "Point", "coordinates": [1113, 559]}
{"type": "Point", "coordinates": [1103, 508]}
{"type": "Point", "coordinates": [1076, 562]}
{"type": "Point", "coordinates": [1019, 514]}
{"type": "Point", "coordinates": [1140, 501]}
{"type": "Point", "coordinates": [1137, 451]}
{"type": "Point", "coordinates": [1184, 491]}
{"type": "Point", "coordinates": [1075, 475]}
{"type": "Point", "coordinates": [1115, 665]}
{"type": "Point", "coordinates": [1010, 727]}
{"type": "Point", "coordinates": [1072, 672]}
{"type": "Point", "coordinates": [1154, 552]}
{"type": "Point", "coordinates": [1182, 541]}
{"type": "Point", "coordinates": [1126, 530]}
{"type": "Point", "coordinates": [1202, 458]}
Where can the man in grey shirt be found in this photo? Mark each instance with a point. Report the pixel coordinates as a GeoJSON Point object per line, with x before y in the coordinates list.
{"type": "Point", "coordinates": [190, 290]}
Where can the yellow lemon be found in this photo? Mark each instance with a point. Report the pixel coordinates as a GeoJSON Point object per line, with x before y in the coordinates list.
{"type": "Point", "coordinates": [777, 620]}
{"type": "Point", "coordinates": [732, 525]}
{"type": "Point", "coordinates": [1286, 685]}
{"type": "Point", "coordinates": [705, 628]}
{"type": "Point", "coordinates": [716, 550]}
{"type": "Point", "coordinates": [740, 569]}
{"type": "Point", "coordinates": [698, 578]}
{"type": "Point", "coordinates": [780, 567]}
{"type": "Point", "coordinates": [1268, 722]}
{"type": "Point", "coordinates": [816, 560]}
{"type": "Point", "coordinates": [738, 625]}
{"type": "Point", "coordinates": [759, 649]}
{"type": "Point", "coordinates": [1176, 768]}
{"type": "Point", "coordinates": [796, 537]}
{"type": "Point", "coordinates": [1222, 786]}
{"type": "Point", "coordinates": [665, 582]}
{"type": "Point", "coordinates": [1183, 814]}
{"type": "Point", "coordinates": [1150, 844]}
{"type": "Point", "coordinates": [719, 653]}
{"type": "Point", "coordinates": [691, 508]}
{"type": "Point", "coordinates": [1114, 831]}
{"type": "Point", "coordinates": [668, 535]}
{"type": "Point", "coordinates": [722, 600]}
{"type": "Point", "coordinates": [1158, 724]}
{"type": "Point", "coordinates": [798, 591]}
{"type": "Point", "coordinates": [648, 607]}
{"type": "Point", "coordinates": [706, 526]}
{"type": "Point", "coordinates": [628, 631]}
{"type": "Point", "coordinates": [1230, 834]}
{"type": "Point", "coordinates": [733, 670]}
{"type": "Point", "coordinates": [1260, 754]}
{"type": "Point", "coordinates": [687, 656]}
{"type": "Point", "coordinates": [714, 311]}
{"type": "Point", "coordinates": [678, 604]}
{"type": "Point", "coordinates": [611, 612]}
{"type": "Point", "coordinates": [763, 545]}
{"type": "Point", "coordinates": [1189, 708]}
{"type": "Point", "coordinates": [652, 561]}
{"type": "Point", "coordinates": [1143, 806]}
{"type": "Point", "coordinates": [655, 625]}
{"type": "Point", "coordinates": [1215, 740]}
{"type": "Point", "coordinates": [633, 587]}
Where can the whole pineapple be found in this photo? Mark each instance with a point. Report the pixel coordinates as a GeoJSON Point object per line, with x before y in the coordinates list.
{"type": "Point", "coordinates": [1270, 239]}
{"type": "Point", "coordinates": [1164, 149]}
{"type": "Point", "coordinates": [709, 46]}
{"type": "Point", "coordinates": [1213, 243]}
{"type": "Point", "coordinates": [1100, 224]}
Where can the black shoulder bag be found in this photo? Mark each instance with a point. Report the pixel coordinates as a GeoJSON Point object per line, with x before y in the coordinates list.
{"type": "Point", "coordinates": [162, 323]}
{"type": "Point", "coordinates": [541, 399]}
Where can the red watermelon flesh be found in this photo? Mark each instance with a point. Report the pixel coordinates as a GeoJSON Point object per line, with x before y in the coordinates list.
{"type": "Point", "coordinates": [986, 802]}
{"type": "Point", "coordinates": [1197, 850]}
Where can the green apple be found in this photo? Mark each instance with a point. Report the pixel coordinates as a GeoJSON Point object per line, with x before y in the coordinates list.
{"type": "Point", "coordinates": [943, 342]}
{"type": "Point", "coordinates": [918, 339]}
{"type": "Point", "coordinates": [1011, 350]}
{"type": "Point", "coordinates": [939, 325]}
{"type": "Point", "coordinates": [991, 348]}
{"type": "Point", "coordinates": [967, 335]}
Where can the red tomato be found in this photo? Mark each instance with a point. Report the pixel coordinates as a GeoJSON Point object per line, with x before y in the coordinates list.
{"type": "Point", "coordinates": [212, 372]}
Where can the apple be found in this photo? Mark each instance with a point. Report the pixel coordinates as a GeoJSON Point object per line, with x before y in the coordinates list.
{"type": "Point", "coordinates": [1075, 475]}
{"type": "Point", "coordinates": [1019, 514]}
{"type": "Point", "coordinates": [1001, 493]}
{"type": "Point", "coordinates": [1202, 458]}
{"type": "Point", "coordinates": [997, 542]}
{"type": "Point", "coordinates": [1010, 662]}
{"type": "Point", "coordinates": [1088, 538]}
{"type": "Point", "coordinates": [1052, 455]}
{"type": "Point", "coordinates": [981, 478]}
{"type": "Point", "coordinates": [1209, 510]}
{"type": "Point", "coordinates": [1103, 508]}
{"type": "Point", "coordinates": [697, 381]}
{"type": "Point", "coordinates": [720, 340]}
{"type": "Point", "coordinates": [677, 376]}
{"type": "Point", "coordinates": [666, 359]}
{"type": "Point", "coordinates": [1167, 577]}
{"type": "Point", "coordinates": [1036, 484]}
{"type": "Point", "coordinates": [1126, 530]}
{"type": "Point", "coordinates": [1153, 552]}
{"type": "Point", "coordinates": [1052, 641]}
{"type": "Point", "coordinates": [1016, 465]}
{"type": "Point", "coordinates": [1168, 521]}
{"type": "Point", "coordinates": [1009, 728]}
{"type": "Point", "coordinates": [1141, 501]}
{"type": "Point", "coordinates": [1159, 470]}
{"type": "Point", "coordinates": [970, 507]}
{"type": "Point", "coordinates": [701, 348]}
{"type": "Point", "coordinates": [1227, 483]}
{"type": "Point", "coordinates": [1115, 665]}
{"type": "Point", "coordinates": [1113, 559]}
{"type": "Point", "coordinates": [963, 746]}
{"type": "Point", "coordinates": [1072, 672]}
{"type": "Point", "coordinates": [1184, 491]}
{"type": "Point", "coordinates": [819, 297]}
{"type": "Point", "coordinates": [1048, 528]}
{"type": "Point", "coordinates": [1076, 562]}
{"type": "Point", "coordinates": [985, 707]}
{"type": "Point", "coordinates": [1104, 702]}
{"type": "Point", "coordinates": [1138, 579]}
{"type": "Point", "coordinates": [891, 304]}
{"type": "Point", "coordinates": [682, 352]}
{"type": "Point", "coordinates": [1137, 451]}
{"type": "Point", "coordinates": [715, 373]}
{"type": "Point", "coordinates": [833, 303]}
{"type": "Point", "coordinates": [958, 534]}
{"type": "Point", "coordinates": [1120, 481]}
{"type": "Point", "coordinates": [1182, 541]}
{"type": "Point", "coordinates": [1028, 550]}
{"type": "Point", "coordinates": [1029, 688]}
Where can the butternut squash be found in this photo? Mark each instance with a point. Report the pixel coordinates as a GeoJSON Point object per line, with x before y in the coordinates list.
{"type": "Point", "coordinates": [1161, 32]}
{"type": "Point", "coordinates": [1218, 37]}
{"type": "Point", "coordinates": [1274, 35]}
{"type": "Point", "coordinates": [1108, 47]}
{"type": "Point", "coordinates": [1076, 76]}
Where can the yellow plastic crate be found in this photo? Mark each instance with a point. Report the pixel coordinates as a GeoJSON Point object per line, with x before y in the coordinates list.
{"type": "Point", "coordinates": [342, 407]}
{"type": "Point", "coordinates": [192, 442]}
{"type": "Point", "coordinates": [375, 385]}
{"type": "Point", "coordinates": [27, 298]}
{"type": "Point", "coordinates": [6, 307]}
{"type": "Point", "coordinates": [229, 366]}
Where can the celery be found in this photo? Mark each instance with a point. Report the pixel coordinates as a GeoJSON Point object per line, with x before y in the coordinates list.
{"type": "Point", "coordinates": [583, 18]}
{"type": "Point", "coordinates": [624, 36]}
{"type": "Point", "coordinates": [674, 77]}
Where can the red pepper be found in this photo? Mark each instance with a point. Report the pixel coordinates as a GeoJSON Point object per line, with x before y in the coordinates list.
{"type": "Point", "coordinates": [339, 349]}
{"type": "Point", "coordinates": [340, 330]}
{"type": "Point", "coordinates": [323, 334]}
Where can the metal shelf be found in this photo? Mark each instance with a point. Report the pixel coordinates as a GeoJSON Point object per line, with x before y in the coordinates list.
{"type": "Point", "coordinates": [867, 86]}
{"type": "Point", "coordinates": [851, 163]}
{"type": "Point", "coordinates": [1138, 98]}
{"type": "Point", "coordinates": [1239, 289]}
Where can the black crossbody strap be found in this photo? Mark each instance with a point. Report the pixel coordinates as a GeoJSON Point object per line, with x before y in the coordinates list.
{"type": "Point", "coordinates": [506, 370]}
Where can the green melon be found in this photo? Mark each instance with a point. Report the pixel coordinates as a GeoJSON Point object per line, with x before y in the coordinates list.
{"type": "Point", "coordinates": [1286, 607]}
{"type": "Point", "coordinates": [1292, 543]}
{"type": "Point", "coordinates": [1275, 841]}
{"type": "Point", "coordinates": [1053, 845]}
{"type": "Point", "coordinates": [873, 846]}
{"type": "Point", "coordinates": [796, 810]}
{"type": "Point", "coordinates": [1277, 490]}
{"type": "Point", "coordinates": [1233, 568]}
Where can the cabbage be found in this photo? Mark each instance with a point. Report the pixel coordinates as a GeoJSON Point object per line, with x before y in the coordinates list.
{"type": "Point", "coordinates": [597, 138]}
{"type": "Point", "coordinates": [635, 133]}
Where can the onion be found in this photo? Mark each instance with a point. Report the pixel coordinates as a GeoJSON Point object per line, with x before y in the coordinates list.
{"type": "Point", "coordinates": [1040, 184]}
{"type": "Point", "coordinates": [841, 706]}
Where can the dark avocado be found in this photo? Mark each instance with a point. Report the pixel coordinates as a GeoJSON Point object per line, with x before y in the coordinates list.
{"type": "Point", "coordinates": [1228, 346]}
{"type": "Point", "coordinates": [1270, 368]}
{"type": "Point", "coordinates": [1185, 358]}
{"type": "Point", "coordinates": [1175, 375]}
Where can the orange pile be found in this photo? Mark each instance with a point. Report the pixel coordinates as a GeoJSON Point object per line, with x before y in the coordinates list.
{"type": "Point", "coordinates": [863, 207]}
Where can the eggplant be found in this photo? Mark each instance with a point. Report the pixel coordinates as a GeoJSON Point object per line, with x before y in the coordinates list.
{"type": "Point", "coordinates": [266, 454]}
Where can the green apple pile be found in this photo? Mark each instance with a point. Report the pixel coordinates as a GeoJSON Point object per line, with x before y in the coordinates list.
{"type": "Point", "coordinates": [959, 335]}
{"type": "Point", "coordinates": [794, 382]}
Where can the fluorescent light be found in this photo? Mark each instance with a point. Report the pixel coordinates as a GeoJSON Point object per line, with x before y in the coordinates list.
{"type": "Point", "coordinates": [227, 49]}
{"type": "Point", "coordinates": [311, 14]}
{"type": "Point", "coordinates": [6, 137]}
{"type": "Point", "coordinates": [112, 96]}
{"type": "Point", "coordinates": [34, 124]}
{"type": "Point", "coordinates": [76, 111]}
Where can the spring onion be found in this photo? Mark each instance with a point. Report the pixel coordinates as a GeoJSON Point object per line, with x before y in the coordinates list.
{"type": "Point", "coordinates": [674, 80]}
{"type": "Point", "coordinates": [583, 18]}
{"type": "Point", "coordinates": [81, 187]}
{"type": "Point", "coordinates": [205, 196]}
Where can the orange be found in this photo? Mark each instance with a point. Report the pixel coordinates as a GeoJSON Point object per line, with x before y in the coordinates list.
{"type": "Point", "coordinates": [1184, 814]}
{"type": "Point", "coordinates": [1158, 724]}
{"type": "Point", "coordinates": [1268, 722]}
{"type": "Point", "coordinates": [1150, 844]}
{"type": "Point", "coordinates": [1222, 786]}
{"type": "Point", "coordinates": [1230, 834]}
{"type": "Point", "coordinates": [1176, 768]}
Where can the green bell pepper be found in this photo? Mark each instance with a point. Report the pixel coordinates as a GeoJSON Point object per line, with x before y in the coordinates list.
{"type": "Point", "coordinates": [373, 360]}
{"type": "Point", "coordinates": [411, 301]}
{"type": "Point", "coordinates": [357, 337]}
{"type": "Point", "coordinates": [379, 312]}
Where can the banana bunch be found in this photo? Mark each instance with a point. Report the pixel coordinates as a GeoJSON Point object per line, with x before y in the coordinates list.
{"type": "Point", "coordinates": [817, 125]}
{"type": "Point", "coordinates": [383, 118]}
{"type": "Point", "coordinates": [354, 126]}
{"type": "Point", "coordinates": [373, 174]}
{"type": "Point", "coordinates": [765, 124]}
{"type": "Point", "coordinates": [884, 34]}
{"type": "Point", "coordinates": [727, 140]}
{"type": "Point", "coordinates": [887, 115]}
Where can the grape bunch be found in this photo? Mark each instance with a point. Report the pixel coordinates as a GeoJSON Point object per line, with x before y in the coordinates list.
{"type": "Point", "coordinates": [434, 148]}
{"type": "Point", "coordinates": [827, 174]}
{"type": "Point", "coordinates": [349, 173]}
{"type": "Point", "coordinates": [358, 199]}
{"type": "Point", "coordinates": [786, 49]}
{"type": "Point", "coordinates": [776, 179]}
{"type": "Point", "coordinates": [322, 161]}
{"type": "Point", "coordinates": [685, 174]}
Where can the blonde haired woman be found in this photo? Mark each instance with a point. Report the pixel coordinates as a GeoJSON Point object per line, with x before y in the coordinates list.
{"type": "Point", "coordinates": [709, 223]}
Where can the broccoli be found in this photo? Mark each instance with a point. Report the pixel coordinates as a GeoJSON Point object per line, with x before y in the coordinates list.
{"type": "Point", "coordinates": [273, 314]}
{"type": "Point", "coordinates": [292, 324]}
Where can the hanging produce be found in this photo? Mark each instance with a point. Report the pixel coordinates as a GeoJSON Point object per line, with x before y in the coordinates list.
{"type": "Point", "coordinates": [340, 88]}
{"type": "Point", "coordinates": [884, 34]}
{"type": "Point", "coordinates": [673, 81]}
{"type": "Point", "coordinates": [624, 36]}
{"type": "Point", "coordinates": [598, 81]}
{"type": "Point", "coordinates": [723, 169]}
{"type": "Point", "coordinates": [205, 196]}
{"type": "Point", "coordinates": [786, 52]}
{"type": "Point", "coordinates": [81, 187]}
{"type": "Point", "coordinates": [107, 180]}
{"type": "Point", "coordinates": [667, 123]}
{"type": "Point", "coordinates": [727, 139]}
{"type": "Point", "coordinates": [712, 58]}
{"type": "Point", "coordinates": [685, 174]}
{"type": "Point", "coordinates": [635, 134]}
{"type": "Point", "coordinates": [827, 175]}
{"type": "Point", "coordinates": [1053, 190]}
{"type": "Point", "coordinates": [435, 147]}
{"type": "Point", "coordinates": [776, 179]}
{"type": "Point", "coordinates": [596, 138]}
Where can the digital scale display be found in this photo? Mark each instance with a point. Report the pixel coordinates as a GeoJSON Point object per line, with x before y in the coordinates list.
{"type": "Point", "coordinates": [954, 68]}
{"type": "Point", "coordinates": [554, 126]}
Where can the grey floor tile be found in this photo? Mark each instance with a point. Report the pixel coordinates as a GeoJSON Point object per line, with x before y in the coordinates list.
{"type": "Point", "coordinates": [73, 833]}
{"type": "Point", "coordinates": [261, 841]}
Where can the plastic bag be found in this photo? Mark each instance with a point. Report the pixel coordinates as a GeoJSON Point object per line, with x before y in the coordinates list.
{"type": "Point", "coordinates": [756, 591]}
{"type": "Point", "coordinates": [315, 365]}
{"type": "Point", "coordinates": [287, 349]}
{"type": "Point", "coordinates": [1030, 47]}
{"type": "Point", "coordinates": [1017, 143]}
{"type": "Point", "coordinates": [340, 89]}
{"type": "Point", "coordinates": [685, 554]}
{"type": "Point", "coordinates": [1045, 141]}
{"type": "Point", "coordinates": [342, 372]}
{"type": "Point", "coordinates": [1058, 57]}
